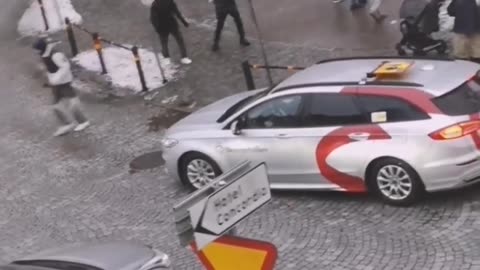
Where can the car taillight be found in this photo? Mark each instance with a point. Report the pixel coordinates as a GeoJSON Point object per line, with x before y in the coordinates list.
{"type": "Point", "coordinates": [456, 131]}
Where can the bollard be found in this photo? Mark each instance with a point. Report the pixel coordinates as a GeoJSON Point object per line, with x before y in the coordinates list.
{"type": "Point", "coordinates": [71, 37]}
{"type": "Point", "coordinates": [98, 47]}
{"type": "Point", "coordinates": [42, 9]}
{"type": "Point", "coordinates": [247, 72]}
{"type": "Point", "coordinates": [139, 68]}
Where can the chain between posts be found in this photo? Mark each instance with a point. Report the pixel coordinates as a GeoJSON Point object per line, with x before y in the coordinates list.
{"type": "Point", "coordinates": [97, 44]}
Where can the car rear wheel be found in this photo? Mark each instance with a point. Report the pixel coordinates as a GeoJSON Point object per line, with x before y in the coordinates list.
{"type": "Point", "coordinates": [198, 170]}
{"type": "Point", "coordinates": [396, 182]}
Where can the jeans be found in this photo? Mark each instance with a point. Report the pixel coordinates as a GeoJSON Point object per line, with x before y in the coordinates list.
{"type": "Point", "coordinates": [178, 37]}
{"type": "Point", "coordinates": [222, 16]}
{"type": "Point", "coordinates": [375, 6]}
{"type": "Point", "coordinates": [68, 110]}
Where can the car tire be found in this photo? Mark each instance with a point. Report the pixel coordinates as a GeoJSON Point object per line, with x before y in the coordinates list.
{"type": "Point", "coordinates": [210, 171]}
{"type": "Point", "coordinates": [395, 182]}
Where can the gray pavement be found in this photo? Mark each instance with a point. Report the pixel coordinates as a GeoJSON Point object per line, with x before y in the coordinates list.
{"type": "Point", "coordinates": [78, 188]}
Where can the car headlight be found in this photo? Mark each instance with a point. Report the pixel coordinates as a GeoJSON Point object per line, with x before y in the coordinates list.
{"type": "Point", "coordinates": [169, 143]}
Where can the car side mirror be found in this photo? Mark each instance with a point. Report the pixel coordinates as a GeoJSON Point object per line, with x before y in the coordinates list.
{"type": "Point", "coordinates": [236, 126]}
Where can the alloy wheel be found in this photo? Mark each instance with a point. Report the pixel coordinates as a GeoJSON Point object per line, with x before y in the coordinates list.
{"type": "Point", "coordinates": [394, 182]}
{"type": "Point", "coordinates": [200, 173]}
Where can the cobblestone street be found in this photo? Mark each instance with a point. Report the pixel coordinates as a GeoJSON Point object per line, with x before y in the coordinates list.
{"type": "Point", "coordinates": [75, 188]}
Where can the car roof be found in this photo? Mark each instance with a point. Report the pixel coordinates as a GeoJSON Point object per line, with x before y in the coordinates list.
{"type": "Point", "coordinates": [435, 76]}
{"type": "Point", "coordinates": [119, 255]}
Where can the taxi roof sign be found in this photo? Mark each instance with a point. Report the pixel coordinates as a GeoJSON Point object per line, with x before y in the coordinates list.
{"type": "Point", "coordinates": [392, 68]}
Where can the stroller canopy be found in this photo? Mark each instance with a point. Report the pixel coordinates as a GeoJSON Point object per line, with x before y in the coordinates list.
{"type": "Point", "coordinates": [426, 12]}
{"type": "Point", "coordinates": [413, 8]}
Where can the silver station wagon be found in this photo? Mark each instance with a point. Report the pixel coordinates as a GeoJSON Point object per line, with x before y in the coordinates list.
{"type": "Point", "coordinates": [396, 127]}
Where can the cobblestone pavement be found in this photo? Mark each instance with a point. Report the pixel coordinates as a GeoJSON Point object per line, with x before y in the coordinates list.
{"type": "Point", "coordinates": [77, 188]}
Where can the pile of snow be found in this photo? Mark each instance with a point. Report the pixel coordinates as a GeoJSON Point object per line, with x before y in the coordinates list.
{"type": "Point", "coordinates": [56, 11]}
{"type": "Point", "coordinates": [122, 70]}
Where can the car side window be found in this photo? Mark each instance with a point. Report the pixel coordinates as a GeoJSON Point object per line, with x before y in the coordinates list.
{"type": "Point", "coordinates": [333, 109]}
{"type": "Point", "coordinates": [281, 112]}
{"type": "Point", "coordinates": [392, 109]}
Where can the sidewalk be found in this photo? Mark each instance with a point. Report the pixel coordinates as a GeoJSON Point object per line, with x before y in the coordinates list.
{"type": "Point", "coordinates": [212, 75]}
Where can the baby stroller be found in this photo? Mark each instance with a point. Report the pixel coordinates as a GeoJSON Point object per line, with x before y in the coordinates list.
{"type": "Point", "coordinates": [420, 18]}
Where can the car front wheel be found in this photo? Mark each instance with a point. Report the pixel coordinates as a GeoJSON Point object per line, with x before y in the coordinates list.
{"type": "Point", "coordinates": [198, 170]}
{"type": "Point", "coordinates": [396, 182]}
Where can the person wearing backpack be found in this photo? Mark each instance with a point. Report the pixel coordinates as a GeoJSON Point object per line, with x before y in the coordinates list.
{"type": "Point", "coordinates": [66, 104]}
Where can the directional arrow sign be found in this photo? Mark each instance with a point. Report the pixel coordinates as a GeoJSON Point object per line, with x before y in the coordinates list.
{"type": "Point", "coordinates": [230, 204]}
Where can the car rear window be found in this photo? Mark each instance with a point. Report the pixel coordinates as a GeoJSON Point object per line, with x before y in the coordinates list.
{"type": "Point", "coordinates": [460, 101]}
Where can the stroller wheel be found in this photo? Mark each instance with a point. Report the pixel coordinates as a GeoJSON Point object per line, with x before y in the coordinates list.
{"type": "Point", "coordinates": [442, 49]}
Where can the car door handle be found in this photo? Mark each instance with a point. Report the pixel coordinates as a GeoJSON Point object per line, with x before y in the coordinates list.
{"type": "Point", "coordinates": [282, 136]}
{"type": "Point", "coordinates": [359, 136]}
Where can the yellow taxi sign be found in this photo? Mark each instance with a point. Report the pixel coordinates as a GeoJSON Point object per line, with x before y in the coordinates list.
{"type": "Point", "coordinates": [393, 68]}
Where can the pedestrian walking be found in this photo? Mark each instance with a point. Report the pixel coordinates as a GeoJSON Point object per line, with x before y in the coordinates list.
{"type": "Point", "coordinates": [223, 8]}
{"type": "Point", "coordinates": [375, 11]}
{"type": "Point", "coordinates": [466, 42]}
{"type": "Point", "coordinates": [163, 16]}
{"type": "Point", "coordinates": [66, 104]}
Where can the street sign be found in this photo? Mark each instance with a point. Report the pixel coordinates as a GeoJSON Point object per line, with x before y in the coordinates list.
{"type": "Point", "coordinates": [229, 253]}
{"type": "Point", "coordinates": [213, 210]}
{"type": "Point", "coordinates": [232, 203]}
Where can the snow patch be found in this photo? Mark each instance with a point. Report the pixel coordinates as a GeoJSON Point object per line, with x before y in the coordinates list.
{"type": "Point", "coordinates": [121, 68]}
{"type": "Point", "coordinates": [31, 23]}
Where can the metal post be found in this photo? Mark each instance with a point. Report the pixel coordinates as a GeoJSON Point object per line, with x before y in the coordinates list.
{"type": "Point", "coordinates": [71, 37]}
{"type": "Point", "coordinates": [42, 9]}
{"type": "Point", "coordinates": [139, 68]}
{"type": "Point", "coordinates": [247, 73]}
{"type": "Point", "coordinates": [98, 47]}
{"type": "Point", "coordinates": [262, 46]}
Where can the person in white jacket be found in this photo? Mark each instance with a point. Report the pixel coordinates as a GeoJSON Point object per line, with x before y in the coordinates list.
{"type": "Point", "coordinates": [67, 105]}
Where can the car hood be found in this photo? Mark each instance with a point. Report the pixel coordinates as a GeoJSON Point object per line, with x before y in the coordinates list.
{"type": "Point", "coordinates": [109, 256]}
{"type": "Point", "coordinates": [208, 115]}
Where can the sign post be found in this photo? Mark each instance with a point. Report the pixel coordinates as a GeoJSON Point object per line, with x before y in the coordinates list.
{"type": "Point", "coordinates": [215, 209]}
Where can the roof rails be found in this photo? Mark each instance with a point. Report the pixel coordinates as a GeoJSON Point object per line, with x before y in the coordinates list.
{"type": "Point", "coordinates": [385, 57]}
{"type": "Point", "coordinates": [379, 83]}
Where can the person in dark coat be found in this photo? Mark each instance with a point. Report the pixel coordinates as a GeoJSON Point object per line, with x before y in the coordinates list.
{"type": "Point", "coordinates": [466, 44]}
{"type": "Point", "coordinates": [163, 16]}
{"type": "Point", "coordinates": [223, 8]}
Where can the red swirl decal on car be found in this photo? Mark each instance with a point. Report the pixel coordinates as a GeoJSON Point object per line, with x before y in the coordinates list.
{"type": "Point", "coordinates": [337, 139]}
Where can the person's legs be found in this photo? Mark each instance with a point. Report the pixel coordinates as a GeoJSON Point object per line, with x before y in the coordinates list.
{"type": "Point", "coordinates": [238, 22]}
{"type": "Point", "coordinates": [375, 11]}
{"type": "Point", "coordinates": [180, 41]}
{"type": "Point", "coordinates": [475, 47]}
{"type": "Point", "coordinates": [221, 16]}
{"type": "Point", "coordinates": [461, 47]}
{"type": "Point", "coordinates": [63, 116]}
{"type": "Point", "coordinates": [164, 42]}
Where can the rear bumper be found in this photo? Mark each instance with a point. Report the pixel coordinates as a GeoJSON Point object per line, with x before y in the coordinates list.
{"type": "Point", "coordinates": [452, 174]}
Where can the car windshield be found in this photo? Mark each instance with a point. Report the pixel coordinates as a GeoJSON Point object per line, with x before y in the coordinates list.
{"type": "Point", "coordinates": [242, 103]}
